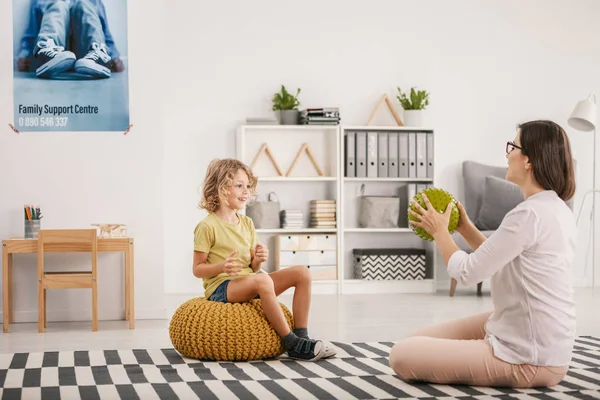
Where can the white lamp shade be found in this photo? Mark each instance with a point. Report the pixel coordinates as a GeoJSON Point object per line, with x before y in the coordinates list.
{"type": "Point", "coordinates": [583, 117]}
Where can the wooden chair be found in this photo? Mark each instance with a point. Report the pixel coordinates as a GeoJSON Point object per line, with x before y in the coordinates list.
{"type": "Point", "coordinates": [67, 241]}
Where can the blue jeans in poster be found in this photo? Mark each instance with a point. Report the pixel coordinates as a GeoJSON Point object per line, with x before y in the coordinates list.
{"type": "Point", "coordinates": [74, 25]}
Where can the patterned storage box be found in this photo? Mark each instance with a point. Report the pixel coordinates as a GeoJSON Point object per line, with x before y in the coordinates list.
{"type": "Point", "coordinates": [389, 264]}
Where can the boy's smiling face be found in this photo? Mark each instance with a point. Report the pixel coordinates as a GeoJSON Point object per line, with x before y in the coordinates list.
{"type": "Point", "coordinates": [239, 191]}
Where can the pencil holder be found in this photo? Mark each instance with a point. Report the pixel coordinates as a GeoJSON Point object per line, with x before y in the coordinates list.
{"type": "Point", "coordinates": [31, 228]}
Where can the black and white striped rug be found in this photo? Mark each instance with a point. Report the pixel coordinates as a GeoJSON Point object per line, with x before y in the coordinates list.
{"type": "Point", "coordinates": [360, 371]}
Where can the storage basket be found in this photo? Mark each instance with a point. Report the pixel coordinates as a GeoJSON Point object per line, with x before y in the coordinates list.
{"type": "Point", "coordinates": [378, 211]}
{"type": "Point", "coordinates": [389, 264]}
{"type": "Point", "coordinates": [264, 214]}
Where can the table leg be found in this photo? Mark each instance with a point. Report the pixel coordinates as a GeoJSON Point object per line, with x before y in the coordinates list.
{"type": "Point", "coordinates": [11, 304]}
{"type": "Point", "coordinates": [126, 270]}
{"type": "Point", "coordinates": [130, 285]}
{"type": "Point", "coordinates": [5, 293]}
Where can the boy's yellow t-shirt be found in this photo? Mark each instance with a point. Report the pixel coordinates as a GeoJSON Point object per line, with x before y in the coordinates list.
{"type": "Point", "coordinates": [218, 238]}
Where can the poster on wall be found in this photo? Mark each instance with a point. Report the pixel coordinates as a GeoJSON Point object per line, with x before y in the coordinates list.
{"type": "Point", "coordinates": [71, 65]}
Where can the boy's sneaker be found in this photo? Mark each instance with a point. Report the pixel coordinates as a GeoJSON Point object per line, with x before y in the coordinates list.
{"type": "Point", "coordinates": [52, 59]}
{"type": "Point", "coordinates": [307, 350]}
{"type": "Point", "coordinates": [329, 352]}
{"type": "Point", "coordinates": [95, 63]}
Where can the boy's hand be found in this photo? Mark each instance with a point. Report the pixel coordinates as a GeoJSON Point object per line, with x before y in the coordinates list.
{"type": "Point", "coordinates": [232, 265]}
{"type": "Point", "coordinates": [261, 253]}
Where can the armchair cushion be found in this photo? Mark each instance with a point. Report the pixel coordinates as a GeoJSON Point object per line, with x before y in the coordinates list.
{"type": "Point", "coordinates": [474, 175]}
{"type": "Point", "coordinates": [499, 197]}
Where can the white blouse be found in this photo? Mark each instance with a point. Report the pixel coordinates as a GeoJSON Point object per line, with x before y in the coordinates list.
{"type": "Point", "coordinates": [530, 259]}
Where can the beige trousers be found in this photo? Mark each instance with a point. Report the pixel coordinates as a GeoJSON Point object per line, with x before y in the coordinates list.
{"type": "Point", "coordinates": [456, 353]}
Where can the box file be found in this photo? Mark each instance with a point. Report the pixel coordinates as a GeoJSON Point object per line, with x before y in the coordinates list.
{"type": "Point", "coordinates": [350, 154]}
{"type": "Point", "coordinates": [403, 155]}
{"type": "Point", "coordinates": [421, 154]}
{"type": "Point", "coordinates": [372, 158]}
{"type": "Point", "coordinates": [361, 154]}
{"type": "Point", "coordinates": [412, 155]}
{"type": "Point", "coordinates": [393, 152]}
{"type": "Point", "coordinates": [383, 155]}
{"type": "Point", "coordinates": [430, 155]}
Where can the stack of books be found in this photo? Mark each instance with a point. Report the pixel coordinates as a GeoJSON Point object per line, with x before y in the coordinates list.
{"type": "Point", "coordinates": [320, 116]}
{"type": "Point", "coordinates": [322, 214]}
{"type": "Point", "coordinates": [291, 219]}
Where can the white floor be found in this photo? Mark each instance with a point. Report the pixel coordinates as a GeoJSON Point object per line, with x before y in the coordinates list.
{"type": "Point", "coordinates": [333, 318]}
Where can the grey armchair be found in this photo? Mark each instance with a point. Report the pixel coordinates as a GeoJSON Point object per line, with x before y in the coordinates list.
{"type": "Point", "coordinates": [488, 197]}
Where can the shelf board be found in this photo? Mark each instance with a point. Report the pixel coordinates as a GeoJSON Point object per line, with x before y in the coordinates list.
{"type": "Point", "coordinates": [275, 127]}
{"type": "Point", "coordinates": [386, 128]}
{"type": "Point", "coordinates": [297, 179]}
{"type": "Point", "coordinates": [297, 230]}
{"type": "Point", "coordinates": [416, 180]}
{"type": "Point", "coordinates": [377, 230]}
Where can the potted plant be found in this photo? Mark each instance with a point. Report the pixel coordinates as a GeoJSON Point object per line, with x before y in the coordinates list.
{"type": "Point", "coordinates": [285, 106]}
{"type": "Point", "coordinates": [413, 106]}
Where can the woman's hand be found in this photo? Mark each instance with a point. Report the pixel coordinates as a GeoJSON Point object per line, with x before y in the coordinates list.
{"type": "Point", "coordinates": [432, 221]}
{"type": "Point", "coordinates": [464, 223]}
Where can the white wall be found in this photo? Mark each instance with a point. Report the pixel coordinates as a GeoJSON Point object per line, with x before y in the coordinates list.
{"type": "Point", "coordinates": [70, 176]}
{"type": "Point", "coordinates": [197, 70]}
{"type": "Point", "coordinates": [489, 65]}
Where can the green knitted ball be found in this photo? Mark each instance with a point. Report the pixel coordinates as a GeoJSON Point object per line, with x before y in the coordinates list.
{"type": "Point", "coordinates": [439, 199]}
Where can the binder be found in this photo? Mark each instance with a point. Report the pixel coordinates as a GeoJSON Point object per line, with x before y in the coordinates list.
{"type": "Point", "coordinates": [393, 154]}
{"type": "Point", "coordinates": [430, 155]}
{"type": "Point", "coordinates": [403, 155]}
{"type": "Point", "coordinates": [421, 155]}
{"type": "Point", "coordinates": [383, 155]}
{"type": "Point", "coordinates": [350, 154]}
{"type": "Point", "coordinates": [372, 158]}
{"type": "Point", "coordinates": [361, 154]}
{"type": "Point", "coordinates": [409, 192]}
{"type": "Point", "coordinates": [412, 155]}
{"type": "Point", "coordinates": [421, 187]}
{"type": "Point", "coordinates": [412, 191]}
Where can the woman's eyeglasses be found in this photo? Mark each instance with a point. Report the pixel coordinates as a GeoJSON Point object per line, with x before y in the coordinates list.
{"type": "Point", "coordinates": [510, 146]}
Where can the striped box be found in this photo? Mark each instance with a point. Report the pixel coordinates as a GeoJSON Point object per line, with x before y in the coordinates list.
{"type": "Point", "coordinates": [389, 264]}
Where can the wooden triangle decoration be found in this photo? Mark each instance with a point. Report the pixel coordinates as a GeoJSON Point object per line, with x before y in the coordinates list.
{"type": "Point", "coordinates": [390, 106]}
{"type": "Point", "coordinates": [305, 149]}
{"type": "Point", "coordinates": [265, 149]}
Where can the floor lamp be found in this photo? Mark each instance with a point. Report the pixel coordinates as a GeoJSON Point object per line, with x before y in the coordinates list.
{"type": "Point", "coordinates": [583, 118]}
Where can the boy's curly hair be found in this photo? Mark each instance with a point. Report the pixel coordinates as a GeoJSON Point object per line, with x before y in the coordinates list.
{"type": "Point", "coordinates": [218, 180]}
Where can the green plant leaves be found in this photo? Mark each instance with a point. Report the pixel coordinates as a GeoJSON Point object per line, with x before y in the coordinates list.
{"type": "Point", "coordinates": [419, 99]}
{"type": "Point", "coordinates": [284, 100]}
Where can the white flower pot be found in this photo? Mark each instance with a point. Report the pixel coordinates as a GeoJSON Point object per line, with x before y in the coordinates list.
{"type": "Point", "coordinates": [413, 118]}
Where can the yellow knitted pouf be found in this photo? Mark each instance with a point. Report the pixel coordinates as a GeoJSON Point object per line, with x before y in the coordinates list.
{"type": "Point", "coordinates": [210, 330]}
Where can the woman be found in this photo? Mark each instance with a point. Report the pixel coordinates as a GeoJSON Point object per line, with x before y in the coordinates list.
{"type": "Point", "coordinates": [527, 341]}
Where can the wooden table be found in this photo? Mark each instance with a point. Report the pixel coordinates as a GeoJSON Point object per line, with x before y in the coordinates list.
{"type": "Point", "coordinates": [23, 246]}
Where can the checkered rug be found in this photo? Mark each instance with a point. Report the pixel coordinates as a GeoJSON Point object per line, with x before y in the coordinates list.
{"type": "Point", "coordinates": [360, 371]}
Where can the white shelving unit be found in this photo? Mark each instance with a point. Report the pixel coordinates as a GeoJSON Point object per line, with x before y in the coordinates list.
{"type": "Point", "coordinates": [303, 184]}
{"type": "Point", "coordinates": [326, 142]}
{"type": "Point", "coordinates": [352, 236]}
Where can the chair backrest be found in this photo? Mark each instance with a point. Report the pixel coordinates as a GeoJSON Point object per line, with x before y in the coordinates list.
{"type": "Point", "coordinates": [67, 241]}
{"type": "Point", "coordinates": [474, 174]}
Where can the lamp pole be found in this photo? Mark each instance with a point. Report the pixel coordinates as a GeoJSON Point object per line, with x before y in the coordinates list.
{"type": "Point", "coordinates": [583, 118]}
